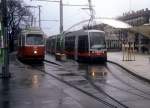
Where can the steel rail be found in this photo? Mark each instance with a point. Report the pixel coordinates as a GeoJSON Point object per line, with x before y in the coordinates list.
{"type": "Point", "coordinates": [71, 85]}
{"type": "Point", "coordinates": [97, 88]}
{"type": "Point", "coordinates": [115, 76]}
{"type": "Point", "coordinates": [121, 89]}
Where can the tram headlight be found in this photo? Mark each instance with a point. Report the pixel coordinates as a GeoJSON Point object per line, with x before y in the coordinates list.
{"type": "Point", "coordinates": [35, 52]}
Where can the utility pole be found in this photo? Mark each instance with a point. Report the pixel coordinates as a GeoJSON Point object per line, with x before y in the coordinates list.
{"type": "Point", "coordinates": [61, 16]}
{"type": "Point", "coordinates": [31, 21]}
{"type": "Point", "coordinates": [91, 12]}
{"type": "Point", "coordinates": [5, 67]}
{"type": "Point", "coordinates": [61, 10]}
{"type": "Point", "coordinates": [39, 16]}
{"type": "Point", "coordinates": [91, 9]}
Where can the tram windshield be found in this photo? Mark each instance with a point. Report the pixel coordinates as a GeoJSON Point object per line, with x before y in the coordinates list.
{"type": "Point", "coordinates": [97, 41]}
{"type": "Point", "coordinates": [34, 39]}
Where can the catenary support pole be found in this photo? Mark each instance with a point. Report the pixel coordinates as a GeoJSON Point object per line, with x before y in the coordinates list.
{"type": "Point", "coordinates": [39, 16]}
{"type": "Point", "coordinates": [5, 67]}
{"type": "Point", "coordinates": [61, 16]}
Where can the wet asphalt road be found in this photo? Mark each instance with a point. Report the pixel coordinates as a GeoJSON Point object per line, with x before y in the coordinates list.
{"type": "Point", "coordinates": [108, 78]}
{"type": "Point", "coordinates": [32, 87]}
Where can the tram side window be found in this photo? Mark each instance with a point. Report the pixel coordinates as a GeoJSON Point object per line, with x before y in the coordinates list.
{"type": "Point", "coordinates": [70, 43]}
{"type": "Point", "coordinates": [19, 40]}
{"type": "Point", "coordinates": [59, 44]}
{"type": "Point", "coordinates": [48, 42]}
{"type": "Point", "coordinates": [23, 40]}
{"type": "Point", "coordinates": [66, 43]}
{"type": "Point", "coordinates": [83, 43]}
{"type": "Point", "coordinates": [53, 43]}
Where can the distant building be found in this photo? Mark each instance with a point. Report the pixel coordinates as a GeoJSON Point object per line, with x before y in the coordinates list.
{"type": "Point", "coordinates": [113, 41]}
{"type": "Point", "coordinates": [138, 18]}
{"type": "Point", "coordinates": [115, 37]}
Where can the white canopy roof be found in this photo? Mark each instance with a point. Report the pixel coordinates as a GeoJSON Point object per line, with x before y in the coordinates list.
{"type": "Point", "coordinates": [113, 22]}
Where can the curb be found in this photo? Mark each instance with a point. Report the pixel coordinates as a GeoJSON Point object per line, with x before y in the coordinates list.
{"type": "Point", "coordinates": [130, 72]}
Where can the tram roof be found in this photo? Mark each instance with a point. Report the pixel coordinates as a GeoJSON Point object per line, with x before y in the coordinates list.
{"type": "Point", "coordinates": [33, 30]}
{"type": "Point", "coordinates": [94, 30]}
{"type": "Point", "coordinates": [81, 32]}
{"type": "Point", "coordinates": [84, 32]}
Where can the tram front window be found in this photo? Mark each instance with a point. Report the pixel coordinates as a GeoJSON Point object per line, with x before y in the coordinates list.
{"type": "Point", "coordinates": [34, 39]}
{"type": "Point", "coordinates": [97, 41]}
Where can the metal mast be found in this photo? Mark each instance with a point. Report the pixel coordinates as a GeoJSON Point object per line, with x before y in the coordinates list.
{"type": "Point", "coordinates": [39, 16]}
{"type": "Point", "coordinates": [5, 68]}
{"type": "Point", "coordinates": [92, 14]}
{"type": "Point", "coordinates": [61, 16]}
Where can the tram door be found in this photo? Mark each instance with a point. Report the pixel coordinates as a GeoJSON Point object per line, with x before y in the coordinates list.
{"type": "Point", "coordinates": [83, 45]}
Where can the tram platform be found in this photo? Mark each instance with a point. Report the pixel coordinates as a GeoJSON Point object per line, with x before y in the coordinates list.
{"type": "Point", "coordinates": [139, 65]}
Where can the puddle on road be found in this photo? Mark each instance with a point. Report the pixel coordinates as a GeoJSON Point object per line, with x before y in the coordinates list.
{"type": "Point", "coordinates": [94, 72]}
{"type": "Point", "coordinates": [98, 74]}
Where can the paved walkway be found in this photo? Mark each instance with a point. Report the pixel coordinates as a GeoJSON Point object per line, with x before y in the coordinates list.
{"type": "Point", "coordinates": [139, 67]}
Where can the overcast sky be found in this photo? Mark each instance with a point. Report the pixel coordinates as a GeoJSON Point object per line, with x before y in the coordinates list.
{"type": "Point", "coordinates": [72, 15]}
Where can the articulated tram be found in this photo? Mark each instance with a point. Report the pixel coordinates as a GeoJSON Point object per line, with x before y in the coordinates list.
{"type": "Point", "coordinates": [81, 45]}
{"type": "Point", "coordinates": [31, 44]}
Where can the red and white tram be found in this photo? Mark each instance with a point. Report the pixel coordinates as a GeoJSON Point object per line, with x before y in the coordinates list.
{"type": "Point", "coordinates": [31, 44]}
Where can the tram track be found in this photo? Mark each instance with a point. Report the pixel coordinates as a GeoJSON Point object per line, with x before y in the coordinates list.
{"type": "Point", "coordinates": [75, 87]}
{"type": "Point", "coordinates": [131, 86]}
{"type": "Point", "coordinates": [116, 87]}
{"type": "Point", "coordinates": [65, 82]}
{"type": "Point", "coordinates": [130, 72]}
{"type": "Point", "coordinates": [95, 86]}
{"type": "Point", "coordinates": [116, 77]}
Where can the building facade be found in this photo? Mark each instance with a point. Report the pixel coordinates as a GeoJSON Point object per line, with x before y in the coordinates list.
{"type": "Point", "coordinates": [138, 18]}
{"type": "Point", "coordinates": [115, 38]}
{"type": "Point", "coordinates": [113, 41]}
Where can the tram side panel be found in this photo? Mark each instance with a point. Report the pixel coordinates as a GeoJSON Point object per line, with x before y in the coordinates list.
{"type": "Point", "coordinates": [33, 52]}
{"type": "Point", "coordinates": [82, 47]}
{"type": "Point", "coordinates": [51, 45]}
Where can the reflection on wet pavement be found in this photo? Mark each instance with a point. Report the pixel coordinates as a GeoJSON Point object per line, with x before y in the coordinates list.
{"type": "Point", "coordinates": [30, 88]}
{"type": "Point", "coordinates": [109, 79]}
{"type": "Point", "coordinates": [93, 72]}
{"type": "Point", "coordinates": [35, 80]}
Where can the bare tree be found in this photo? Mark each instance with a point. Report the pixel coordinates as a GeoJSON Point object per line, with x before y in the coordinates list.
{"type": "Point", "coordinates": [17, 14]}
